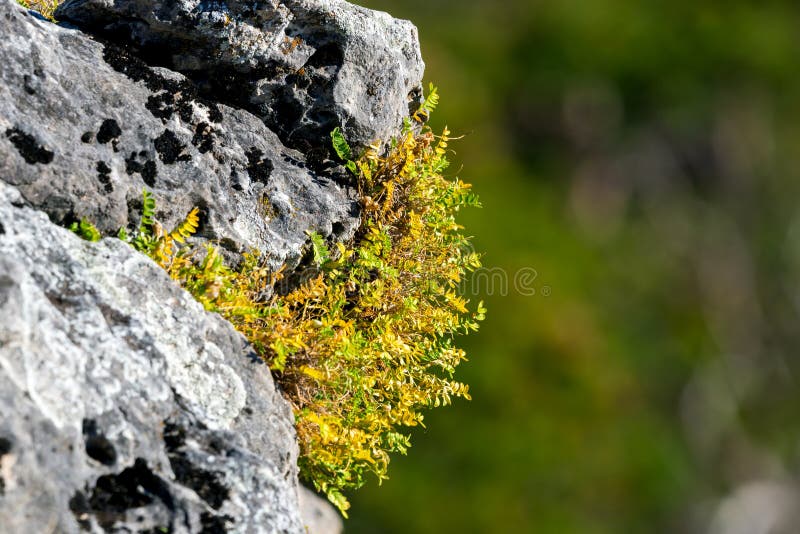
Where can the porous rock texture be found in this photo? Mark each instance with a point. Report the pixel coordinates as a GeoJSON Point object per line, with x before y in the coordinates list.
{"type": "Point", "coordinates": [303, 66]}
{"type": "Point", "coordinates": [85, 126]}
{"type": "Point", "coordinates": [124, 406]}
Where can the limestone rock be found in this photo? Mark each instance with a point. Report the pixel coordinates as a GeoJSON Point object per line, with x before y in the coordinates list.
{"type": "Point", "coordinates": [303, 66]}
{"type": "Point", "coordinates": [124, 406]}
{"type": "Point", "coordinates": [124, 403]}
{"type": "Point", "coordinates": [318, 515]}
{"type": "Point", "coordinates": [85, 126]}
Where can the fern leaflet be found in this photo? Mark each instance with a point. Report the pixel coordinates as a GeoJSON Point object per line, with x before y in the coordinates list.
{"type": "Point", "coordinates": [86, 230]}
{"type": "Point", "coordinates": [148, 211]}
{"type": "Point", "coordinates": [340, 145]}
{"type": "Point", "coordinates": [428, 106]}
{"type": "Point", "coordinates": [321, 252]}
{"type": "Point", "coordinates": [186, 228]}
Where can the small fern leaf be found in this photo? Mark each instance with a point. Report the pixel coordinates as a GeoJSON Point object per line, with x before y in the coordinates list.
{"type": "Point", "coordinates": [187, 228]}
{"type": "Point", "coordinates": [428, 106]}
{"type": "Point", "coordinates": [338, 500]}
{"type": "Point", "coordinates": [340, 145]}
{"type": "Point", "coordinates": [320, 249]}
{"type": "Point", "coordinates": [148, 211]}
{"type": "Point", "coordinates": [86, 230]}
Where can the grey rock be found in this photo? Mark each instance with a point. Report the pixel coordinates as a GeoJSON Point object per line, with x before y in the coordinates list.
{"type": "Point", "coordinates": [85, 126]}
{"type": "Point", "coordinates": [303, 66]}
{"type": "Point", "coordinates": [318, 515]}
{"type": "Point", "coordinates": [124, 406]}
{"type": "Point", "coordinates": [124, 403]}
{"type": "Point", "coordinates": [765, 506]}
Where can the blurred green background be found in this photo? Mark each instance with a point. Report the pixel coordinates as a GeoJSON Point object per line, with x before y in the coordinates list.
{"type": "Point", "coordinates": [641, 160]}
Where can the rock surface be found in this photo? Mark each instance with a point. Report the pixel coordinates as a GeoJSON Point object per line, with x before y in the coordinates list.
{"type": "Point", "coordinates": [125, 404]}
{"type": "Point", "coordinates": [303, 66]}
{"type": "Point", "coordinates": [318, 516]}
{"type": "Point", "coordinates": [84, 127]}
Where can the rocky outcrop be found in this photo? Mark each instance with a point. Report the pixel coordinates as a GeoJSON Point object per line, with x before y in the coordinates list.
{"type": "Point", "coordinates": [303, 66]}
{"type": "Point", "coordinates": [85, 126]}
{"type": "Point", "coordinates": [124, 406]}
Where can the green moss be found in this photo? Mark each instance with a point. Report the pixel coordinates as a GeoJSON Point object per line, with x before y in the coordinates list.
{"type": "Point", "coordinates": [267, 209]}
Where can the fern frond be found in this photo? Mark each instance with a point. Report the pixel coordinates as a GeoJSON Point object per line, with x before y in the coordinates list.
{"type": "Point", "coordinates": [343, 150]}
{"type": "Point", "coordinates": [428, 106]}
{"type": "Point", "coordinates": [86, 230]}
{"type": "Point", "coordinates": [321, 252]}
{"type": "Point", "coordinates": [340, 145]}
{"type": "Point", "coordinates": [187, 228]}
{"type": "Point", "coordinates": [148, 212]}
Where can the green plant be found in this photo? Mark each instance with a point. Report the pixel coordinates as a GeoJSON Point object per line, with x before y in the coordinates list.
{"type": "Point", "coordinates": [342, 150]}
{"type": "Point", "coordinates": [151, 239]}
{"type": "Point", "coordinates": [367, 343]}
{"type": "Point", "coordinates": [86, 230]}
{"type": "Point", "coordinates": [44, 7]}
{"type": "Point", "coordinates": [428, 105]}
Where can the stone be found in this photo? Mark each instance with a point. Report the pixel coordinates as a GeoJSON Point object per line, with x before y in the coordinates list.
{"type": "Point", "coordinates": [758, 506]}
{"type": "Point", "coordinates": [303, 66]}
{"type": "Point", "coordinates": [319, 517]}
{"type": "Point", "coordinates": [85, 126]}
{"type": "Point", "coordinates": [125, 405]}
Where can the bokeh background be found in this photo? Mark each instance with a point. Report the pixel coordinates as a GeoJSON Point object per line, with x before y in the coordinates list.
{"type": "Point", "coordinates": [643, 159]}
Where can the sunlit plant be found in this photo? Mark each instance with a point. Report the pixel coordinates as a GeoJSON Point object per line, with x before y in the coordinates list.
{"type": "Point", "coordinates": [46, 8]}
{"type": "Point", "coordinates": [366, 342]}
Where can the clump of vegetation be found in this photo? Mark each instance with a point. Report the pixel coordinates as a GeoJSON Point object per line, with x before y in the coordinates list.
{"type": "Point", "coordinates": [151, 239]}
{"type": "Point", "coordinates": [86, 230]}
{"type": "Point", "coordinates": [368, 343]}
{"type": "Point", "coordinates": [365, 343]}
{"type": "Point", "coordinates": [46, 8]}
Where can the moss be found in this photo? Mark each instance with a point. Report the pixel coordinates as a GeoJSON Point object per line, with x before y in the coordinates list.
{"type": "Point", "coordinates": [267, 209]}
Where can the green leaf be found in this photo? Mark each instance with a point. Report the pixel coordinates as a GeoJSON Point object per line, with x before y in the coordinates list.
{"type": "Point", "coordinates": [339, 501]}
{"type": "Point", "coordinates": [340, 145]}
{"type": "Point", "coordinates": [148, 211]}
{"type": "Point", "coordinates": [427, 107]}
{"type": "Point", "coordinates": [85, 230]}
{"type": "Point", "coordinates": [406, 130]}
{"type": "Point", "coordinates": [321, 252]}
